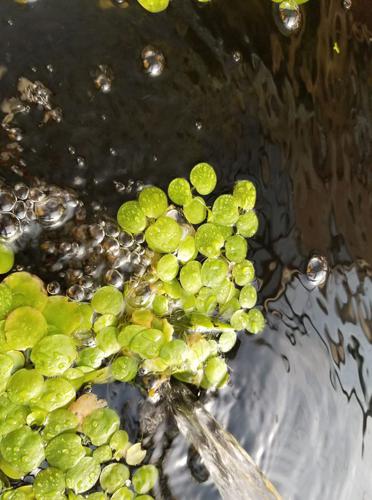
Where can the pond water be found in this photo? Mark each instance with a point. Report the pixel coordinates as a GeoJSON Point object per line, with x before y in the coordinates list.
{"type": "Point", "coordinates": [293, 114]}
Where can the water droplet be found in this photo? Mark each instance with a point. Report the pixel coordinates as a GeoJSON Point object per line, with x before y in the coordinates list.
{"type": "Point", "coordinates": [54, 288]}
{"type": "Point", "coordinates": [76, 292]}
{"type": "Point", "coordinates": [10, 227]}
{"type": "Point", "coordinates": [50, 211]}
{"type": "Point", "coordinates": [153, 61]}
{"type": "Point", "coordinates": [7, 201]}
{"type": "Point", "coordinates": [317, 270]}
{"type": "Point", "coordinates": [287, 17]}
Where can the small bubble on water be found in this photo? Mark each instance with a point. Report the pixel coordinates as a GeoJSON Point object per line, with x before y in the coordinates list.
{"type": "Point", "coordinates": [36, 194]}
{"type": "Point", "coordinates": [287, 17]}
{"type": "Point", "coordinates": [71, 150]}
{"type": "Point", "coordinates": [103, 79]}
{"type": "Point", "coordinates": [20, 209]}
{"type": "Point", "coordinates": [78, 181]}
{"type": "Point", "coordinates": [111, 246]}
{"type": "Point", "coordinates": [10, 227]}
{"type": "Point", "coordinates": [139, 186]}
{"type": "Point", "coordinates": [113, 152]}
{"type": "Point", "coordinates": [86, 282]}
{"type": "Point", "coordinates": [7, 201]}
{"type": "Point", "coordinates": [111, 229]}
{"type": "Point", "coordinates": [139, 239]}
{"type": "Point", "coordinates": [114, 277]}
{"type": "Point", "coordinates": [54, 288]}
{"type": "Point", "coordinates": [237, 56]}
{"type": "Point", "coordinates": [153, 61]}
{"type": "Point", "coordinates": [198, 125]}
{"type": "Point", "coordinates": [347, 4]}
{"type": "Point", "coordinates": [80, 160]}
{"type": "Point", "coordinates": [15, 134]}
{"type": "Point", "coordinates": [97, 233]}
{"type": "Point", "coordinates": [76, 292]}
{"type": "Point", "coordinates": [50, 211]}
{"type": "Point", "coordinates": [50, 68]}
{"type": "Point", "coordinates": [65, 247]}
{"type": "Point", "coordinates": [126, 240]}
{"type": "Point", "coordinates": [119, 186]}
{"type": "Point", "coordinates": [317, 270]}
{"type": "Point", "coordinates": [21, 191]}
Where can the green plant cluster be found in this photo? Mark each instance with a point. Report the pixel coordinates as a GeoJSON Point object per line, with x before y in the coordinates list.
{"type": "Point", "coordinates": [179, 320]}
{"type": "Point", "coordinates": [200, 269]}
{"type": "Point", "coordinates": [43, 363]}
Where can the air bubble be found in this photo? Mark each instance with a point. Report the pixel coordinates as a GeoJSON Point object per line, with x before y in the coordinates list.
{"type": "Point", "coordinates": [97, 233]}
{"type": "Point", "coordinates": [54, 288]}
{"type": "Point", "coordinates": [153, 61]}
{"type": "Point", "coordinates": [36, 194]}
{"type": "Point", "coordinates": [50, 211]}
{"type": "Point", "coordinates": [10, 227]}
{"type": "Point", "coordinates": [237, 57]}
{"type": "Point", "coordinates": [76, 292]}
{"type": "Point", "coordinates": [112, 230]}
{"type": "Point", "coordinates": [287, 17]}
{"type": "Point", "coordinates": [119, 186]}
{"type": "Point", "coordinates": [19, 209]}
{"type": "Point", "coordinates": [7, 201]}
{"type": "Point", "coordinates": [347, 4]}
{"type": "Point", "coordinates": [103, 80]}
{"type": "Point", "coordinates": [114, 278]}
{"type": "Point", "coordinates": [317, 270]}
{"type": "Point", "coordinates": [111, 246]}
{"type": "Point", "coordinates": [21, 191]}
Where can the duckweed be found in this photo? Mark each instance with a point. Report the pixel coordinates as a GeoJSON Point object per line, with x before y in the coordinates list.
{"type": "Point", "coordinates": [199, 290]}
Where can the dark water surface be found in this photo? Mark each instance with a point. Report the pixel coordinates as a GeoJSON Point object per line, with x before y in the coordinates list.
{"type": "Point", "coordinates": [293, 115]}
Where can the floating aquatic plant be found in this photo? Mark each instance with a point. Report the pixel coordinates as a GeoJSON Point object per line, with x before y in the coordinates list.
{"type": "Point", "coordinates": [177, 320]}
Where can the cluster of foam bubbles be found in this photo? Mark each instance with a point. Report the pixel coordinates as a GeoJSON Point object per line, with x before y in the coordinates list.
{"type": "Point", "coordinates": [85, 256]}
{"type": "Point", "coordinates": [25, 209]}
